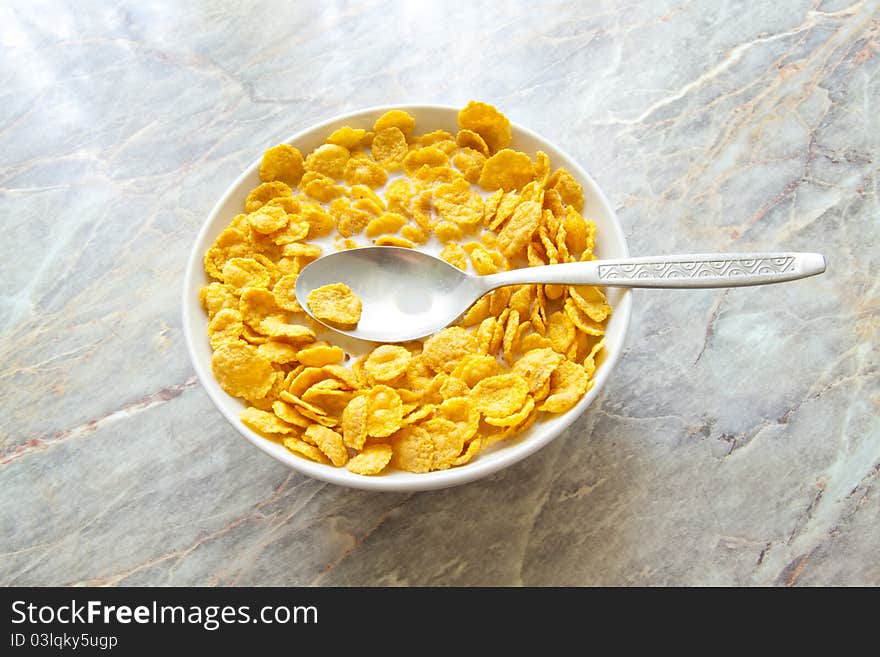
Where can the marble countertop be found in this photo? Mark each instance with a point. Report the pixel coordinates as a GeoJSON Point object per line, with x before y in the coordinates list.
{"type": "Point", "coordinates": [737, 442]}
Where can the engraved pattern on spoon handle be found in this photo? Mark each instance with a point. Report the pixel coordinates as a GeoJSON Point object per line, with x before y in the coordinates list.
{"type": "Point", "coordinates": [676, 271]}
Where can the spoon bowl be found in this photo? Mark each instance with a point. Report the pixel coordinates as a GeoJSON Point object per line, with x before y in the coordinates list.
{"type": "Point", "coordinates": [406, 294]}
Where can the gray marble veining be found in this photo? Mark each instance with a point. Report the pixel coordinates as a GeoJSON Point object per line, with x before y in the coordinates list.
{"type": "Point", "coordinates": [736, 443]}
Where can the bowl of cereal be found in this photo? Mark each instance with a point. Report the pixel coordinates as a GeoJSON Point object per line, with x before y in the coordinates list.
{"type": "Point", "coordinates": [506, 378]}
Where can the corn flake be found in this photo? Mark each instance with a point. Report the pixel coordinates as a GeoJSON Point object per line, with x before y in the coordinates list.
{"type": "Point", "coordinates": [264, 422]}
{"type": "Point", "coordinates": [413, 449]}
{"type": "Point", "coordinates": [591, 301]}
{"type": "Point", "coordinates": [498, 331]}
{"type": "Point", "coordinates": [282, 163]}
{"type": "Point", "coordinates": [589, 361]}
{"type": "Point", "coordinates": [443, 350]}
{"type": "Point", "coordinates": [363, 171]}
{"type": "Point", "coordinates": [319, 221]}
{"type": "Point", "coordinates": [304, 449]}
{"type": "Point", "coordinates": [461, 412]}
{"type": "Point", "coordinates": [277, 327]}
{"type": "Point", "coordinates": [476, 367]}
{"type": "Point", "coordinates": [500, 395]}
{"type": "Point", "coordinates": [294, 231]}
{"type": "Point", "coordinates": [560, 330]}
{"type": "Point", "coordinates": [329, 442]}
{"type": "Point", "coordinates": [335, 304]}
{"type": "Point", "coordinates": [290, 414]}
{"type": "Point", "coordinates": [454, 255]}
{"type": "Point", "coordinates": [418, 414]}
{"type": "Point", "coordinates": [384, 411]}
{"type": "Point", "coordinates": [517, 232]}
{"type": "Point", "coordinates": [414, 234]}
{"type": "Point", "coordinates": [329, 160]}
{"type": "Point", "coordinates": [568, 188]}
{"type": "Point", "coordinates": [265, 193]}
{"type": "Point", "coordinates": [320, 354]}
{"type": "Point", "coordinates": [581, 320]}
{"type": "Point", "coordinates": [279, 352]}
{"type": "Point", "coordinates": [241, 371]}
{"type": "Point", "coordinates": [451, 387]}
{"type": "Point", "coordinates": [509, 340]}
{"type": "Point", "coordinates": [469, 453]}
{"type": "Point", "coordinates": [447, 231]}
{"type": "Point", "coordinates": [388, 222]}
{"type": "Point", "coordinates": [394, 240]}
{"type": "Point", "coordinates": [255, 305]}
{"type": "Point", "coordinates": [506, 207]}
{"type": "Point", "coordinates": [427, 176]}
{"type": "Point", "coordinates": [435, 137]}
{"type": "Point", "coordinates": [319, 187]}
{"type": "Point", "coordinates": [487, 122]}
{"type": "Point", "coordinates": [470, 139]}
{"type": "Point", "coordinates": [285, 296]}
{"type": "Point", "coordinates": [482, 261]}
{"type": "Point", "coordinates": [372, 460]}
{"type": "Point", "coordinates": [429, 156]}
{"type": "Point", "coordinates": [484, 334]}
{"type": "Point", "coordinates": [329, 395]}
{"type": "Point", "coordinates": [514, 419]}
{"type": "Point", "coordinates": [217, 296]}
{"type": "Point", "coordinates": [508, 170]}
{"type": "Point", "coordinates": [446, 439]}
{"type": "Point", "coordinates": [568, 383]}
{"type": "Point", "coordinates": [477, 312]}
{"type": "Point", "coordinates": [397, 119]}
{"type": "Point", "coordinates": [347, 137]}
{"type": "Point", "coordinates": [470, 163]}
{"type": "Point", "coordinates": [354, 422]}
{"type": "Point", "coordinates": [536, 366]}
{"type": "Point", "coordinates": [225, 326]}
{"type": "Point", "coordinates": [268, 219]}
{"type": "Point", "coordinates": [542, 168]}
{"type": "Point", "coordinates": [386, 363]}
{"type": "Point", "coordinates": [456, 202]}
{"type": "Point", "coordinates": [239, 273]}
{"type": "Point", "coordinates": [389, 147]}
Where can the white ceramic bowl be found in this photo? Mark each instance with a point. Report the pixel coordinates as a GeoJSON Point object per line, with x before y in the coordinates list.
{"type": "Point", "coordinates": [610, 244]}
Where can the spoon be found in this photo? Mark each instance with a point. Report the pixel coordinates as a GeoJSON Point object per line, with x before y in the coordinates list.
{"type": "Point", "coordinates": [407, 294]}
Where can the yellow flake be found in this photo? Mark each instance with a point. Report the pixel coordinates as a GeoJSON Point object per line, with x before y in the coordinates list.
{"type": "Point", "coordinates": [454, 255]}
{"type": "Point", "coordinates": [282, 163]}
{"type": "Point", "coordinates": [445, 349]}
{"type": "Point", "coordinates": [397, 119]}
{"type": "Point", "coordinates": [386, 363]}
{"type": "Point", "coordinates": [389, 147]}
{"type": "Point", "coordinates": [263, 421]}
{"type": "Point", "coordinates": [347, 137]}
{"type": "Point", "coordinates": [487, 122]}
{"type": "Point", "coordinates": [372, 460]}
{"type": "Point", "coordinates": [329, 442]}
{"type": "Point", "coordinates": [241, 371]}
{"type": "Point", "coordinates": [335, 304]}
{"type": "Point", "coordinates": [264, 193]}
{"type": "Point", "coordinates": [507, 170]}
{"type": "Point", "coordinates": [384, 411]}
{"type": "Point", "coordinates": [500, 395]}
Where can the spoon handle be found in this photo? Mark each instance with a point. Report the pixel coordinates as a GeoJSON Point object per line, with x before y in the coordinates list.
{"type": "Point", "coordinates": [704, 270]}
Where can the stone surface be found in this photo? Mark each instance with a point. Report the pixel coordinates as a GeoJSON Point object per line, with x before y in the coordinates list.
{"type": "Point", "coordinates": [737, 442]}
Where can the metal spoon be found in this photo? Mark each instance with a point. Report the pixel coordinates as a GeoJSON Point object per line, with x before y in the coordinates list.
{"type": "Point", "coordinates": [408, 294]}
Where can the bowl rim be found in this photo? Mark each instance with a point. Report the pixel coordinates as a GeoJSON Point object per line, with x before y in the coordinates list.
{"type": "Point", "coordinates": [411, 482]}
